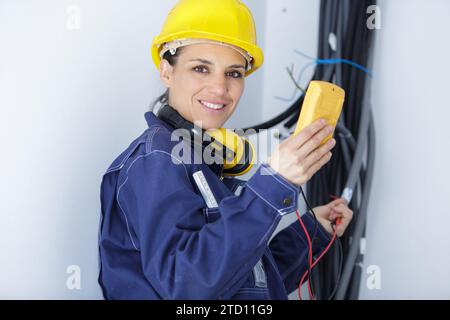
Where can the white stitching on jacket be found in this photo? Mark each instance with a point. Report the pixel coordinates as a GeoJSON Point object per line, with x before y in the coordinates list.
{"type": "Point", "coordinates": [126, 179]}
{"type": "Point", "coordinates": [123, 212]}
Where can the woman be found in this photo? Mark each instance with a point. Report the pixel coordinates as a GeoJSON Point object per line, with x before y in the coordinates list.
{"type": "Point", "coordinates": [159, 238]}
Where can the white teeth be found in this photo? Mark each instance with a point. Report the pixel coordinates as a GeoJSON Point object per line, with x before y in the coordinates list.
{"type": "Point", "coordinates": [212, 106]}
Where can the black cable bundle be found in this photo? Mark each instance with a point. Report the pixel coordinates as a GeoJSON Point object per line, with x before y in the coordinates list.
{"type": "Point", "coordinates": [350, 171]}
{"type": "Point", "coordinates": [354, 43]}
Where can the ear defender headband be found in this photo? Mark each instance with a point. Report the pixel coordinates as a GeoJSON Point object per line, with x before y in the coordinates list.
{"type": "Point", "coordinates": [237, 152]}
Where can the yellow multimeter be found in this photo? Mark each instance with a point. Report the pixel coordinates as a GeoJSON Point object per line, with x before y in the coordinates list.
{"type": "Point", "coordinates": [322, 100]}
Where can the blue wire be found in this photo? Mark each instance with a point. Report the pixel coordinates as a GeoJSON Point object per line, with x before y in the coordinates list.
{"type": "Point", "coordinates": [335, 61]}
{"type": "Point", "coordinates": [323, 62]}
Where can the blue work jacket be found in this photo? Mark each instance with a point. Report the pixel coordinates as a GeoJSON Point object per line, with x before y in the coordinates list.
{"type": "Point", "coordinates": [158, 239]}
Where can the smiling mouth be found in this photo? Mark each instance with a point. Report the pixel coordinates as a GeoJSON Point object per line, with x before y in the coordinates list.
{"type": "Point", "coordinates": [211, 106]}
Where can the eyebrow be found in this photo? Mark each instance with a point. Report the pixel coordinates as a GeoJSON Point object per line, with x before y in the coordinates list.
{"type": "Point", "coordinates": [210, 63]}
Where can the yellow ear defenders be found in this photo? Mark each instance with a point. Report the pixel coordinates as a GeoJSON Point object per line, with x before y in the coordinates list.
{"type": "Point", "coordinates": [237, 152]}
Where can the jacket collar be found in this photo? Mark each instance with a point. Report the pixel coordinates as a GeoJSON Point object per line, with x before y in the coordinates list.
{"type": "Point", "coordinates": [152, 120]}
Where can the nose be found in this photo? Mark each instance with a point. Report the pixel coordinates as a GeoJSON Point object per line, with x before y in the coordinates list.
{"type": "Point", "coordinates": [218, 85]}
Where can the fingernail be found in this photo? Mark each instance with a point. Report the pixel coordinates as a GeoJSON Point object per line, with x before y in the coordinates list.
{"type": "Point", "coordinates": [323, 121]}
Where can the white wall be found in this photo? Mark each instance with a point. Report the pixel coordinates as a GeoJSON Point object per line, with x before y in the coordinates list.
{"type": "Point", "coordinates": [408, 225]}
{"type": "Point", "coordinates": [71, 100]}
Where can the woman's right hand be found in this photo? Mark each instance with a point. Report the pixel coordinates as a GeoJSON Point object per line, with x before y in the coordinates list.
{"type": "Point", "coordinates": [298, 157]}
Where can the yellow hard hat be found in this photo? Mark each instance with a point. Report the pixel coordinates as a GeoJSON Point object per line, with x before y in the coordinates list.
{"type": "Point", "coordinates": [226, 21]}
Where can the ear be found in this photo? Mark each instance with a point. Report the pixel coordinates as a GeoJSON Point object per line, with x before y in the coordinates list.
{"type": "Point", "coordinates": [165, 72]}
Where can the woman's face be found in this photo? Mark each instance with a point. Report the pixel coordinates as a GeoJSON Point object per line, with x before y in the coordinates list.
{"type": "Point", "coordinates": [206, 83]}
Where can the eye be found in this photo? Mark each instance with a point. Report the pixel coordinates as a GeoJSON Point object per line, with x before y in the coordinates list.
{"type": "Point", "coordinates": [200, 68]}
{"type": "Point", "coordinates": [236, 74]}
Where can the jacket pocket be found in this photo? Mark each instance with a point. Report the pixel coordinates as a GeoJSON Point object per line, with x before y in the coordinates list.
{"type": "Point", "coordinates": [255, 287]}
{"type": "Point", "coordinates": [211, 214]}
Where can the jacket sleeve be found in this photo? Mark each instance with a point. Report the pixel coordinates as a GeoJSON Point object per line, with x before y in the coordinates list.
{"type": "Point", "coordinates": [184, 258]}
{"type": "Point", "coordinates": [290, 249]}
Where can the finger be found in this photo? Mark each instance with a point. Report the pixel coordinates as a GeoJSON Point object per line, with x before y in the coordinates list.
{"type": "Point", "coordinates": [318, 153]}
{"type": "Point", "coordinates": [348, 215]}
{"type": "Point", "coordinates": [337, 202]}
{"type": "Point", "coordinates": [338, 208]}
{"type": "Point", "coordinates": [334, 215]}
{"type": "Point", "coordinates": [315, 142]}
{"type": "Point", "coordinates": [341, 207]}
{"type": "Point", "coordinates": [345, 220]}
{"type": "Point", "coordinates": [318, 164]}
{"type": "Point", "coordinates": [333, 209]}
{"type": "Point", "coordinates": [296, 141]}
{"type": "Point", "coordinates": [340, 229]}
{"type": "Point", "coordinates": [334, 212]}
